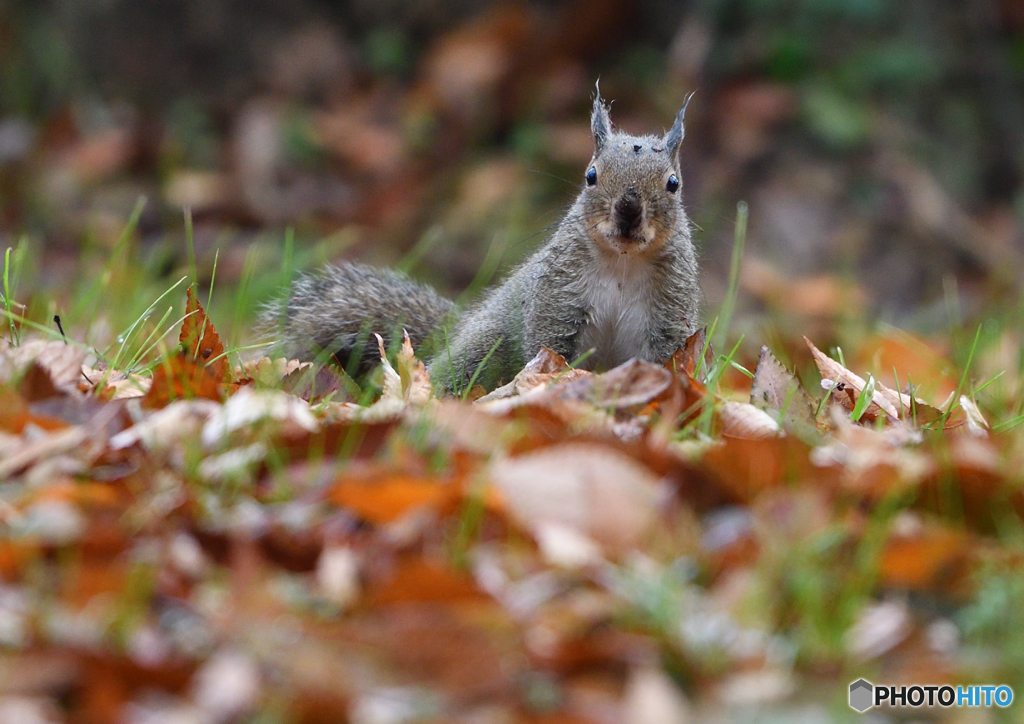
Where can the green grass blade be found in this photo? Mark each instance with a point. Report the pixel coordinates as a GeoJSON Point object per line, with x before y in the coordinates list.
{"type": "Point", "coordinates": [480, 367]}
{"type": "Point", "coordinates": [863, 399]}
{"type": "Point", "coordinates": [735, 266]}
{"type": "Point", "coordinates": [955, 401]}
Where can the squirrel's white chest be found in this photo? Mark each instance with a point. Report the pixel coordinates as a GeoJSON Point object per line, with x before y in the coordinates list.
{"type": "Point", "coordinates": [618, 297]}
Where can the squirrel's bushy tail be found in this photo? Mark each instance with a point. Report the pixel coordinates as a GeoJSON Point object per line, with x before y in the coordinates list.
{"type": "Point", "coordinates": [338, 310]}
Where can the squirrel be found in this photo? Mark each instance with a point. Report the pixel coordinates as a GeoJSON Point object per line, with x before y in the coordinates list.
{"type": "Point", "coordinates": [618, 278]}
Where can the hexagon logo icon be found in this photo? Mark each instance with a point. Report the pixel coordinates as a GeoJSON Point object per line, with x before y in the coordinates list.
{"type": "Point", "coordinates": [862, 693]}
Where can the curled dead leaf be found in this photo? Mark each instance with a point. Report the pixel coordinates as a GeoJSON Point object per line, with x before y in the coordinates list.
{"type": "Point", "coordinates": [846, 386]}
{"type": "Point", "coordinates": [741, 419]}
{"type": "Point", "coordinates": [546, 368]}
{"type": "Point", "coordinates": [631, 384]}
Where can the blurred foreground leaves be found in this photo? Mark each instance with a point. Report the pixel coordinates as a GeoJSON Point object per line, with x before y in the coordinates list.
{"type": "Point", "coordinates": [212, 544]}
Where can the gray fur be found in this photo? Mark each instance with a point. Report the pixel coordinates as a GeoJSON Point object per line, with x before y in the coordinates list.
{"type": "Point", "coordinates": [674, 137]}
{"type": "Point", "coordinates": [338, 309]}
{"type": "Point", "coordinates": [628, 287]}
{"type": "Point", "coordinates": [600, 122]}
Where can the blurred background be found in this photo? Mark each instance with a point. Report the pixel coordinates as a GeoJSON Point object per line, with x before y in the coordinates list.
{"type": "Point", "coordinates": [878, 144]}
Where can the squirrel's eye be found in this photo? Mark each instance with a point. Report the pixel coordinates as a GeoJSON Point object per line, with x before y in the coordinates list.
{"type": "Point", "coordinates": [591, 176]}
{"type": "Point", "coordinates": [673, 184]}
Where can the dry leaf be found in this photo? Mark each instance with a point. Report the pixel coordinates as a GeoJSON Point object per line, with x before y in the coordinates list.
{"type": "Point", "coordinates": [249, 407]}
{"type": "Point", "coordinates": [595, 490]}
{"type": "Point", "coordinates": [166, 427]}
{"type": "Point", "coordinates": [314, 383]}
{"type": "Point", "coordinates": [61, 361]}
{"type": "Point", "coordinates": [775, 389]}
{"type": "Point", "coordinates": [631, 384]}
{"type": "Point", "coordinates": [416, 578]}
{"type": "Point", "coordinates": [384, 498]}
{"type": "Point", "coordinates": [879, 628]}
{"type": "Point", "coordinates": [846, 386]}
{"type": "Point", "coordinates": [200, 340]}
{"type": "Point", "coordinates": [920, 557]}
{"type": "Point", "coordinates": [652, 697]}
{"type": "Point", "coordinates": [741, 419]}
{"type": "Point", "coordinates": [688, 357]}
{"type": "Point", "coordinates": [198, 370]}
{"type": "Point", "coordinates": [416, 387]}
{"type": "Point", "coordinates": [271, 372]}
{"type": "Point", "coordinates": [976, 423]}
{"type": "Point", "coordinates": [546, 368]}
{"type": "Point", "coordinates": [181, 378]}
{"type": "Point", "coordinates": [116, 385]}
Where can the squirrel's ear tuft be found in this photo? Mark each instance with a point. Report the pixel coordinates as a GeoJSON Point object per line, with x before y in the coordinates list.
{"type": "Point", "coordinates": [674, 137]}
{"type": "Point", "coordinates": [600, 123]}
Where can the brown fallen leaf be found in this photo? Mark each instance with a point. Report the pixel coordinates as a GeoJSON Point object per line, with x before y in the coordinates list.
{"type": "Point", "coordinates": [687, 358]}
{"type": "Point", "coordinates": [314, 383]}
{"type": "Point", "coordinates": [37, 384]}
{"type": "Point", "coordinates": [879, 627]}
{"type": "Point", "coordinates": [382, 498]}
{"type": "Point", "coordinates": [116, 385]}
{"type": "Point", "coordinates": [15, 556]}
{"type": "Point", "coordinates": [746, 468]}
{"type": "Point", "coordinates": [977, 425]}
{"type": "Point", "coordinates": [900, 358]}
{"type": "Point", "coordinates": [776, 390]}
{"type": "Point", "coordinates": [270, 372]}
{"type": "Point", "coordinates": [912, 408]}
{"type": "Point", "coordinates": [416, 387]}
{"type": "Point", "coordinates": [546, 368]}
{"type": "Point", "coordinates": [199, 369]}
{"type": "Point", "coordinates": [57, 443]}
{"type": "Point", "coordinates": [61, 361]}
{"type": "Point", "coordinates": [181, 378]}
{"type": "Point", "coordinates": [847, 387]}
{"type": "Point", "coordinates": [922, 557]}
{"type": "Point", "coordinates": [416, 578]}
{"type": "Point", "coordinates": [200, 340]}
{"type": "Point", "coordinates": [590, 488]}
{"type": "Point", "coordinates": [631, 384]}
{"type": "Point", "coordinates": [741, 419]}
{"type": "Point", "coordinates": [13, 411]}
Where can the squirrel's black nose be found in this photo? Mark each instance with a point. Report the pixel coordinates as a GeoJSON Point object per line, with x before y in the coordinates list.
{"type": "Point", "coordinates": [628, 211]}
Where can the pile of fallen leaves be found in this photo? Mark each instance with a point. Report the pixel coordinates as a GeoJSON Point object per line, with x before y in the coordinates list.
{"type": "Point", "coordinates": [215, 544]}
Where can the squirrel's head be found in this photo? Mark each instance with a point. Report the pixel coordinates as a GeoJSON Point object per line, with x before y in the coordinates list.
{"type": "Point", "coordinates": [632, 197]}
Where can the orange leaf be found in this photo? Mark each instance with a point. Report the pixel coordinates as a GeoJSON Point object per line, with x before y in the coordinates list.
{"type": "Point", "coordinates": [686, 358]}
{"type": "Point", "coordinates": [417, 579]}
{"type": "Point", "coordinates": [745, 468]}
{"type": "Point", "coordinates": [382, 500]}
{"type": "Point", "coordinates": [180, 377]}
{"type": "Point", "coordinates": [14, 556]}
{"type": "Point", "coordinates": [13, 411]}
{"type": "Point", "coordinates": [925, 559]}
{"type": "Point", "coordinates": [83, 493]}
{"type": "Point", "coordinates": [201, 341]}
